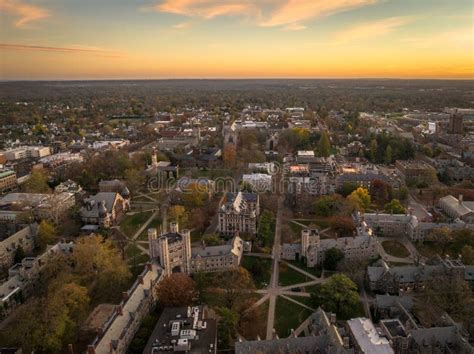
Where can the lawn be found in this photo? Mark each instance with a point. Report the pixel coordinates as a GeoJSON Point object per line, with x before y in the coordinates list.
{"type": "Point", "coordinates": [304, 300]}
{"type": "Point", "coordinates": [395, 248]}
{"type": "Point", "coordinates": [155, 223]}
{"type": "Point", "coordinates": [260, 273]}
{"type": "Point", "coordinates": [322, 223]}
{"type": "Point", "coordinates": [315, 271]}
{"type": "Point", "coordinates": [131, 223]}
{"type": "Point", "coordinates": [288, 316]}
{"type": "Point", "coordinates": [289, 276]}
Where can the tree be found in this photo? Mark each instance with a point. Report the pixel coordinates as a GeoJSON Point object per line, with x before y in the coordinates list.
{"type": "Point", "coordinates": [338, 295]}
{"type": "Point", "coordinates": [343, 225]}
{"type": "Point", "coordinates": [98, 260]}
{"type": "Point", "coordinates": [388, 155]}
{"type": "Point", "coordinates": [442, 237]}
{"type": "Point", "coordinates": [175, 290]}
{"type": "Point", "coordinates": [46, 234]}
{"type": "Point", "coordinates": [229, 155]}
{"type": "Point", "coordinates": [227, 325]}
{"type": "Point", "coordinates": [361, 198]}
{"type": "Point", "coordinates": [332, 257]}
{"type": "Point", "coordinates": [380, 191]}
{"type": "Point", "coordinates": [450, 293]}
{"type": "Point", "coordinates": [395, 207]}
{"type": "Point", "coordinates": [195, 194]}
{"type": "Point", "coordinates": [134, 179]}
{"type": "Point", "coordinates": [211, 239]}
{"type": "Point", "coordinates": [177, 213]}
{"type": "Point", "coordinates": [373, 150]}
{"type": "Point", "coordinates": [328, 205]}
{"type": "Point", "coordinates": [19, 254]}
{"type": "Point", "coordinates": [37, 183]}
{"type": "Point", "coordinates": [324, 145]}
{"type": "Point", "coordinates": [467, 255]}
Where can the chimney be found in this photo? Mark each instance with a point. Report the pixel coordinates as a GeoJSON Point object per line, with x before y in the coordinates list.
{"type": "Point", "coordinates": [174, 227]}
{"type": "Point", "coordinates": [120, 310]}
{"type": "Point", "coordinates": [460, 198]}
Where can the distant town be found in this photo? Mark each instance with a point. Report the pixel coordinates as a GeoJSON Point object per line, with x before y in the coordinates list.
{"type": "Point", "coordinates": [247, 216]}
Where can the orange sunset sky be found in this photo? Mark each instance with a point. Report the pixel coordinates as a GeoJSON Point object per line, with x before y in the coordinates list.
{"type": "Point", "coordinates": [115, 39]}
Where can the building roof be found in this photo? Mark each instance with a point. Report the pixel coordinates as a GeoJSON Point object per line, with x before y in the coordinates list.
{"type": "Point", "coordinates": [368, 338]}
{"type": "Point", "coordinates": [459, 207]}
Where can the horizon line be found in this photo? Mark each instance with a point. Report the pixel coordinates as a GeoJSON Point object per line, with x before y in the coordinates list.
{"type": "Point", "coordinates": [239, 79]}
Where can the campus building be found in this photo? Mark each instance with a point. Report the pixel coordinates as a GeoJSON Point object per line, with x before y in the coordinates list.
{"type": "Point", "coordinates": [312, 248]}
{"type": "Point", "coordinates": [239, 213]}
{"type": "Point", "coordinates": [174, 253]}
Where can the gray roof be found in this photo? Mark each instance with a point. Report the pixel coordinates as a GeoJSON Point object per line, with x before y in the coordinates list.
{"type": "Point", "coordinates": [318, 344]}
{"type": "Point", "coordinates": [387, 301]}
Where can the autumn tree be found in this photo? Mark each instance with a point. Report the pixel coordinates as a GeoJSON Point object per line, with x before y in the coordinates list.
{"type": "Point", "coordinates": [227, 324]}
{"type": "Point", "coordinates": [37, 182]}
{"type": "Point", "coordinates": [98, 259]}
{"type": "Point", "coordinates": [380, 191]}
{"type": "Point", "coordinates": [442, 237]}
{"type": "Point", "coordinates": [467, 254]}
{"type": "Point", "coordinates": [195, 195]}
{"type": "Point", "coordinates": [46, 234]}
{"type": "Point", "coordinates": [175, 290]}
{"type": "Point", "coordinates": [360, 198]}
{"type": "Point", "coordinates": [450, 293]}
{"type": "Point", "coordinates": [343, 225]}
{"type": "Point", "coordinates": [178, 214]}
{"type": "Point", "coordinates": [229, 155]}
{"type": "Point", "coordinates": [373, 150]}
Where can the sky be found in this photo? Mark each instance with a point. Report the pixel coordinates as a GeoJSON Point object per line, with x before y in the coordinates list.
{"type": "Point", "coordinates": [135, 39]}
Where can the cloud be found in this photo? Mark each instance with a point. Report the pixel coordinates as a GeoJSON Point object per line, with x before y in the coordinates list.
{"type": "Point", "coordinates": [182, 25]}
{"type": "Point", "coordinates": [265, 13]}
{"type": "Point", "coordinates": [72, 50]}
{"type": "Point", "coordinates": [206, 9]}
{"type": "Point", "coordinates": [25, 13]}
{"type": "Point", "coordinates": [295, 11]}
{"type": "Point", "coordinates": [372, 29]}
{"type": "Point", "coordinates": [295, 27]}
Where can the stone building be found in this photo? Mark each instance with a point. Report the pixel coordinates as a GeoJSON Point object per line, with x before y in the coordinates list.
{"type": "Point", "coordinates": [239, 213]}
{"type": "Point", "coordinates": [312, 248]}
{"type": "Point", "coordinates": [8, 180]}
{"type": "Point", "coordinates": [24, 238]}
{"type": "Point", "coordinates": [105, 208]}
{"type": "Point", "coordinates": [173, 252]}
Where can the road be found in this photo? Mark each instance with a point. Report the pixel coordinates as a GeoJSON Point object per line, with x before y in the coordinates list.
{"type": "Point", "coordinates": [273, 288]}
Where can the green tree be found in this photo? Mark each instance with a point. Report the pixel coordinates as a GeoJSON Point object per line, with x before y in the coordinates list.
{"type": "Point", "coordinates": [227, 326]}
{"type": "Point", "coordinates": [338, 295]}
{"type": "Point", "coordinates": [332, 257]}
{"type": "Point", "coordinates": [395, 207]}
{"type": "Point", "coordinates": [373, 150]}
{"type": "Point", "coordinates": [19, 254]}
{"type": "Point", "coordinates": [388, 155]}
{"type": "Point", "coordinates": [324, 145]}
{"type": "Point", "coordinates": [328, 205]}
{"type": "Point", "coordinates": [467, 254]}
{"type": "Point", "coordinates": [134, 179]}
{"type": "Point", "coordinates": [46, 234]}
{"type": "Point", "coordinates": [211, 239]}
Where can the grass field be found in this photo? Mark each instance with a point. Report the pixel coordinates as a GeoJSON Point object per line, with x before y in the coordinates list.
{"type": "Point", "coordinates": [131, 223]}
{"type": "Point", "coordinates": [262, 279]}
{"type": "Point", "coordinates": [395, 248]}
{"type": "Point", "coordinates": [288, 316]}
{"type": "Point", "coordinates": [289, 276]}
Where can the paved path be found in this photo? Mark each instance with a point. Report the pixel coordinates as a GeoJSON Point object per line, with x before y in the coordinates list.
{"type": "Point", "coordinates": [145, 225]}
{"type": "Point", "coordinates": [275, 269]}
{"type": "Point", "coordinates": [297, 302]}
{"type": "Point", "coordinates": [309, 275]}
